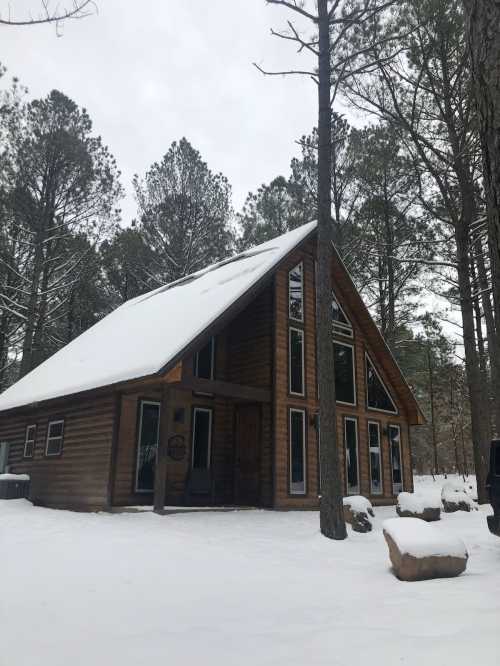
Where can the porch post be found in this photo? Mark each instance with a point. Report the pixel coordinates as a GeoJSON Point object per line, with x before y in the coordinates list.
{"type": "Point", "coordinates": [166, 422]}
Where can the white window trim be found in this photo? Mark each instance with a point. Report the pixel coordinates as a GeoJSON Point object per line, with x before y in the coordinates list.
{"type": "Point", "coordinates": [346, 329]}
{"type": "Point", "coordinates": [389, 426]}
{"type": "Point", "coordinates": [303, 412]}
{"type": "Point", "coordinates": [379, 448]}
{"type": "Point", "coordinates": [301, 331]}
{"type": "Point", "coordinates": [49, 438]}
{"type": "Point", "coordinates": [301, 264]}
{"type": "Point", "coordinates": [355, 421]}
{"type": "Point", "coordinates": [28, 441]}
{"type": "Point", "coordinates": [342, 402]}
{"type": "Point", "coordinates": [212, 359]}
{"type": "Point", "coordinates": [145, 402]}
{"type": "Point", "coordinates": [377, 409]}
{"type": "Point", "coordinates": [210, 420]}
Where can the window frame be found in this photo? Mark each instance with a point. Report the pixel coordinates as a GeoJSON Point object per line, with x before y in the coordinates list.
{"type": "Point", "coordinates": [299, 410]}
{"type": "Point", "coordinates": [49, 438]}
{"type": "Point", "coordinates": [303, 369]}
{"type": "Point", "coordinates": [358, 486]}
{"type": "Point", "coordinates": [211, 341]}
{"type": "Point", "coordinates": [144, 401]}
{"type": "Point", "coordinates": [346, 330]}
{"type": "Point", "coordinates": [301, 320]}
{"type": "Point", "coordinates": [377, 409]}
{"type": "Point", "coordinates": [379, 430]}
{"type": "Point", "coordinates": [27, 441]}
{"type": "Point", "coordinates": [355, 388]}
{"type": "Point", "coordinates": [196, 409]}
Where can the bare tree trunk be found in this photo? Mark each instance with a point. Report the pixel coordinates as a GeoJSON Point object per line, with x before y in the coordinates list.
{"type": "Point", "coordinates": [332, 521]}
{"type": "Point", "coordinates": [483, 21]}
{"type": "Point", "coordinates": [431, 397]}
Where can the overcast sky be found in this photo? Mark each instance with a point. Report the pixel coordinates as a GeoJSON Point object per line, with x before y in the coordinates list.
{"type": "Point", "coordinates": [152, 71]}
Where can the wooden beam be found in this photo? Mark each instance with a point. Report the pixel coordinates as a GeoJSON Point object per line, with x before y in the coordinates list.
{"type": "Point", "coordinates": [166, 428]}
{"type": "Point", "coordinates": [225, 389]}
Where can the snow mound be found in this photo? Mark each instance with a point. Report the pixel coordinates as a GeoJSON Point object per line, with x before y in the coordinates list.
{"type": "Point", "coordinates": [417, 502]}
{"type": "Point", "coordinates": [456, 492]}
{"type": "Point", "coordinates": [359, 504]}
{"type": "Point", "coordinates": [417, 538]}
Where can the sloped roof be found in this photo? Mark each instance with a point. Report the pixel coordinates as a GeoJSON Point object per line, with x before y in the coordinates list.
{"type": "Point", "coordinates": [143, 335]}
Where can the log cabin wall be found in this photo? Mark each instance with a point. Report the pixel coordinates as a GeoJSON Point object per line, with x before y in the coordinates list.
{"type": "Point", "coordinates": [283, 401]}
{"type": "Point", "coordinates": [78, 477]}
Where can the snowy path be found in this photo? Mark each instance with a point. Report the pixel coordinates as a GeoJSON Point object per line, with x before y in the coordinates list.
{"type": "Point", "coordinates": [237, 588]}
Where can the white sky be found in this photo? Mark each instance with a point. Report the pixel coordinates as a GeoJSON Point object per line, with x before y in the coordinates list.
{"type": "Point", "coordinates": [150, 72]}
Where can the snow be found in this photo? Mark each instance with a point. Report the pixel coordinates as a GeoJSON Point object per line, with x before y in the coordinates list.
{"type": "Point", "coordinates": [415, 537]}
{"type": "Point", "coordinates": [241, 587]}
{"type": "Point", "coordinates": [144, 334]}
{"type": "Point", "coordinates": [359, 504]}
{"type": "Point", "coordinates": [14, 477]}
{"type": "Point", "coordinates": [417, 502]}
{"type": "Point", "coordinates": [457, 491]}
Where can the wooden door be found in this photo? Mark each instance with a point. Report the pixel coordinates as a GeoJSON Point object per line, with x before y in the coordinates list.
{"type": "Point", "coordinates": [247, 443]}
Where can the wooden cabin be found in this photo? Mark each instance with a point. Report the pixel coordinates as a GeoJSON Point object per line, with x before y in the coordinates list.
{"type": "Point", "coordinates": [217, 371]}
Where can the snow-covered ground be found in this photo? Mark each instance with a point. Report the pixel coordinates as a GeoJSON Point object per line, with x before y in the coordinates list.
{"type": "Point", "coordinates": [237, 588]}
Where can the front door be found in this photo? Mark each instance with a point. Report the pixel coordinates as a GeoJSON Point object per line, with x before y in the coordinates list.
{"type": "Point", "coordinates": [247, 441]}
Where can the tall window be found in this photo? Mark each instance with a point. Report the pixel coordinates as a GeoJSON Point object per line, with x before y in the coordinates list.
{"type": "Point", "coordinates": [297, 452]}
{"type": "Point", "coordinates": [345, 385]}
{"type": "Point", "coordinates": [55, 433]}
{"type": "Point", "coordinates": [202, 437]}
{"type": "Point", "coordinates": [149, 430]}
{"type": "Point", "coordinates": [340, 323]}
{"type": "Point", "coordinates": [296, 293]}
{"type": "Point", "coordinates": [296, 360]}
{"type": "Point", "coordinates": [377, 394]}
{"type": "Point", "coordinates": [204, 361]}
{"type": "Point", "coordinates": [351, 455]}
{"type": "Point", "coordinates": [29, 441]}
{"type": "Point", "coordinates": [396, 465]}
{"type": "Point", "coordinates": [375, 458]}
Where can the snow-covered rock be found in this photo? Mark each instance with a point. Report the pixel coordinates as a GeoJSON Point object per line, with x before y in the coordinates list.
{"type": "Point", "coordinates": [419, 551]}
{"type": "Point", "coordinates": [416, 505]}
{"type": "Point", "coordinates": [14, 477]}
{"type": "Point", "coordinates": [358, 511]}
{"type": "Point", "coordinates": [455, 497]}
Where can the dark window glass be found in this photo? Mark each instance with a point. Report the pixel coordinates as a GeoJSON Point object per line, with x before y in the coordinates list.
{"type": "Point", "coordinates": [296, 293]}
{"type": "Point", "coordinates": [204, 361]}
{"type": "Point", "coordinates": [378, 396]}
{"type": "Point", "coordinates": [375, 462]}
{"type": "Point", "coordinates": [201, 438]}
{"type": "Point", "coordinates": [351, 451]}
{"type": "Point", "coordinates": [55, 431]}
{"type": "Point", "coordinates": [29, 442]}
{"type": "Point", "coordinates": [148, 442]}
{"type": "Point", "coordinates": [344, 373]}
{"type": "Point", "coordinates": [297, 461]}
{"type": "Point", "coordinates": [296, 361]}
{"type": "Point", "coordinates": [496, 453]}
{"type": "Point", "coordinates": [341, 325]}
{"type": "Point", "coordinates": [395, 445]}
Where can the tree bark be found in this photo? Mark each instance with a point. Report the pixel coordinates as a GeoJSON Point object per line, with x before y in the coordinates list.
{"type": "Point", "coordinates": [332, 521]}
{"type": "Point", "coordinates": [483, 21]}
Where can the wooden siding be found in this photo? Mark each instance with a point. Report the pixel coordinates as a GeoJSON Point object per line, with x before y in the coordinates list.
{"type": "Point", "coordinates": [283, 401]}
{"type": "Point", "coordinates": [78, 477]}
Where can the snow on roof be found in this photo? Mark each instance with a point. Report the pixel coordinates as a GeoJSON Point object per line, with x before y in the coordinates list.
{"type": "Point", "coordinates": [141, 336]}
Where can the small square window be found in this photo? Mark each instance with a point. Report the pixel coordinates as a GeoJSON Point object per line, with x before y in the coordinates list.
{"type": "Point", "coordinates": [55, 432]}
{"type": "Point", "coordinates": [29, 441]}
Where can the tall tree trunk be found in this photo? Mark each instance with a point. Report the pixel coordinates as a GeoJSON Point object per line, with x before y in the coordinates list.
{"type": "Point", "coordinates": [332, 521]}
{"type": "Point", "coordinates": [483, 21]}
{"type": "Point", "coordinates": [433, 419]}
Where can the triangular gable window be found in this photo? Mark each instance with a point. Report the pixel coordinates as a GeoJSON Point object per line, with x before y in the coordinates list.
{"type": "Point", "coordinates": [378, 397]}
{"type": "Point", "coordinates": [340, 323]}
